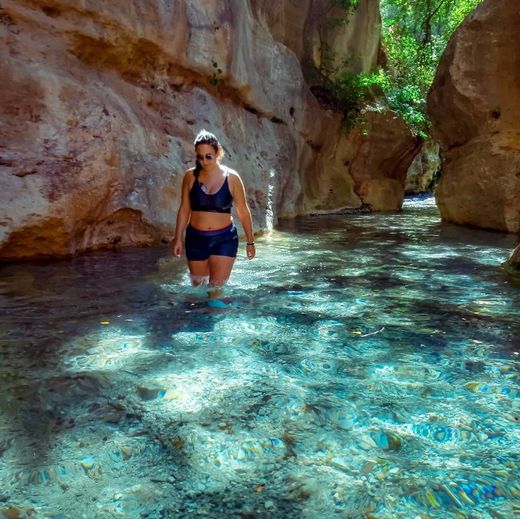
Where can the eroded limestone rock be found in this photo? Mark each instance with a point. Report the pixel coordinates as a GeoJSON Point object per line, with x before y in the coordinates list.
{"type": "Point", "coordinates": [425, 166]}
{"type": "Point", "coordinates": [99, 105]}
{"type": "Point", "coordinates": [356, 43]}
{"type": "Point", "coordinates": [474, 105]}
{"type": "Point", "coordinates": [384, 151]}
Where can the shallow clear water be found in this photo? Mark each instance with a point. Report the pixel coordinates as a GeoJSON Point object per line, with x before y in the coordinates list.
{"type": "Point", "coordinates": [367, 366]}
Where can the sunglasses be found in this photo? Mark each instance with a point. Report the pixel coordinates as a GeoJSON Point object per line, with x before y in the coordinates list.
{"type": "Point", "coordinates": [208, 156]}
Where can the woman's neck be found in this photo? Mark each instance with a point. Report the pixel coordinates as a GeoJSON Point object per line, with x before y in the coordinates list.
{"type": "Point", "coordinates": [214, 170]}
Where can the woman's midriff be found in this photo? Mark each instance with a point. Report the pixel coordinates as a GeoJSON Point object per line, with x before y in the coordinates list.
{"type": "Point", "coordinates": [206, 221]}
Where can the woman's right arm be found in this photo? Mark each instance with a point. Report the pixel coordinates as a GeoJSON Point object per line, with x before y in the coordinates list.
{"type": "Point", "coordinates": [183, 216]}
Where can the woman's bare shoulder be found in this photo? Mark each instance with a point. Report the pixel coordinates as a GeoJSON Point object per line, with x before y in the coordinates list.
{"type": "Point", "coordinates": [189, 178]}
{"type": "Point", "coordinates": [231, 172]}
{"type": "Point", "coordinates": [189, 175]}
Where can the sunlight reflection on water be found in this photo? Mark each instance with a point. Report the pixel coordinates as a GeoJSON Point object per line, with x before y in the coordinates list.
{"type": "Point", "coordinates": [365, 366]}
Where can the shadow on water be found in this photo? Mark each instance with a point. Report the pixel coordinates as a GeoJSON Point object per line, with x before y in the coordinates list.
{"type": "Point", "coordinates": [49, 309]}
{"type": "Point", "coordinates": [341, 364]}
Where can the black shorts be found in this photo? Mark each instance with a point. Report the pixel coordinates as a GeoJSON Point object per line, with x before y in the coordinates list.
{"type": "Point", "coordinates": [200, 245]}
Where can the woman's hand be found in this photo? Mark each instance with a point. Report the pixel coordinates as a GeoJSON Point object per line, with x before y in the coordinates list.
{"type": "Point", "coordinates": [250, 251]}
{"type": "Point", "coordinates": [176, 248]}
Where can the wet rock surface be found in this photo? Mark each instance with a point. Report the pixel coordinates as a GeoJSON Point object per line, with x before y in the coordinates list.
{"type": "Point", "coordinates": [514, 260]}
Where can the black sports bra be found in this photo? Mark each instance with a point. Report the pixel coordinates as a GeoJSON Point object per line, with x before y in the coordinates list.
{"type": "Point", "coordinates": [219, 202]}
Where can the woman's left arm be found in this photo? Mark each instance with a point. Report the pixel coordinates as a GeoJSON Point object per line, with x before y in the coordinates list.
{"type": "Point", "coordinates": [243, 212]}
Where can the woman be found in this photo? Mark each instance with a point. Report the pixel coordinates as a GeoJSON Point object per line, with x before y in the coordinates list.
{"type": "Point", "coordinates": [208, 191]}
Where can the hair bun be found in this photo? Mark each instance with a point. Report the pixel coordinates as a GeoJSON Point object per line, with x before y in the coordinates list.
{"type": "Point", "coordinates": [205, 137]}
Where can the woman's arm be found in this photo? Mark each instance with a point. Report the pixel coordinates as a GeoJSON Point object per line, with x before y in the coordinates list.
{"type": "Point", "coordinates": [183, 216]}
{"type": "Point", "coordinates": [243, 213]}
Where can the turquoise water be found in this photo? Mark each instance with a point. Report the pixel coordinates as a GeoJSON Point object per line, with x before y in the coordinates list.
{"type": "Point", "coordinates": [366, 367]}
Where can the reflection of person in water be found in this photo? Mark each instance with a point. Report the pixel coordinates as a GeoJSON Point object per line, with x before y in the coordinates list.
{"type": "Point", "coordinates": [208, 191]}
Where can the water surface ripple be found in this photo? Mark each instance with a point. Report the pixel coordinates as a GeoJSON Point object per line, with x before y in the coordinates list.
{"type": "Point", "coordinates": [365, 367]}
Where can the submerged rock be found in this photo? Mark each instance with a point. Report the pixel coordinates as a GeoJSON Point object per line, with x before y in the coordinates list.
{"type": "Point", "coordinates": [12, 512]}
{"type": "Point", "coordinates": [388, 441]}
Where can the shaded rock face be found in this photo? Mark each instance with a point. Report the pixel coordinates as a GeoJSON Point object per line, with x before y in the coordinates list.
{"type": "Point", "coordinates": [514, 260]}
{"type": "Point", "coordinates": [382, 159]}
{"type": "Point", "coordinates": [376, 156]}
{"type": "Point", "coordinates": [474, 105]}
{"type": "Point", "coordinates": [424, 168]}
{"type": "Point", "coordinates": [356, 43]}
{"type": "Point", "coordinates": [320, 34]}
{"type": "Point", "coordinates": [100, 104]}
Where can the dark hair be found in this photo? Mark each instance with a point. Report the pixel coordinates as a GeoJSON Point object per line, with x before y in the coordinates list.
{"type": "Point", "coordinates": [205, 137]}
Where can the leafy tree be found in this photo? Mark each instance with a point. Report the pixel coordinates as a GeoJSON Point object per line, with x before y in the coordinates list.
{"type": "Point", "coordinates": [415, 34]}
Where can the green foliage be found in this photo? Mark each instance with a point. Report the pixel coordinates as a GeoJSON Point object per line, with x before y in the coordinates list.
{"type": "Point", "coordinates": [349, 6]}
{"type": "Point", "coordinates": [415, 34]}
{"type": "Point", "coordinates": [215, 78]}
{"type": "Point", "coordinates": [352, 91]}
{"type": "Point", "coordinates": [346, 4]}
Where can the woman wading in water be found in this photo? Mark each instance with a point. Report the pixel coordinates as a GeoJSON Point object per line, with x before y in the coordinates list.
{"type": "Point", "coordinates": [208, 192]}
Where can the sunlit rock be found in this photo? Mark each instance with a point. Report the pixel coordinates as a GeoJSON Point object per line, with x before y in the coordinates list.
{"type": "Point", "coordinates": [91, 468]}
{"type": "Point", "coordinates": [424, 168]}
{"type": "Point", "coordinates": [474, 105]}
{"type": "Point", "coordinates": [514, 260]}
{"type": "Point", "coordinates": [99, 105]}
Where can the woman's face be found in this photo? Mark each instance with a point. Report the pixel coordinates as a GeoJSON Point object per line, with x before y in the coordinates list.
{"type": "Point", "coordinates": [206, 154]}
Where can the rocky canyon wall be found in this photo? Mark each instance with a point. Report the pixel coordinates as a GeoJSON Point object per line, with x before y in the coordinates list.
{"type": "Point", "coordinates": [474, 105]}
{"type": "Point", "coordinates": [100, 102]}
{"type": "Point", "coordinates": [424, 169]}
